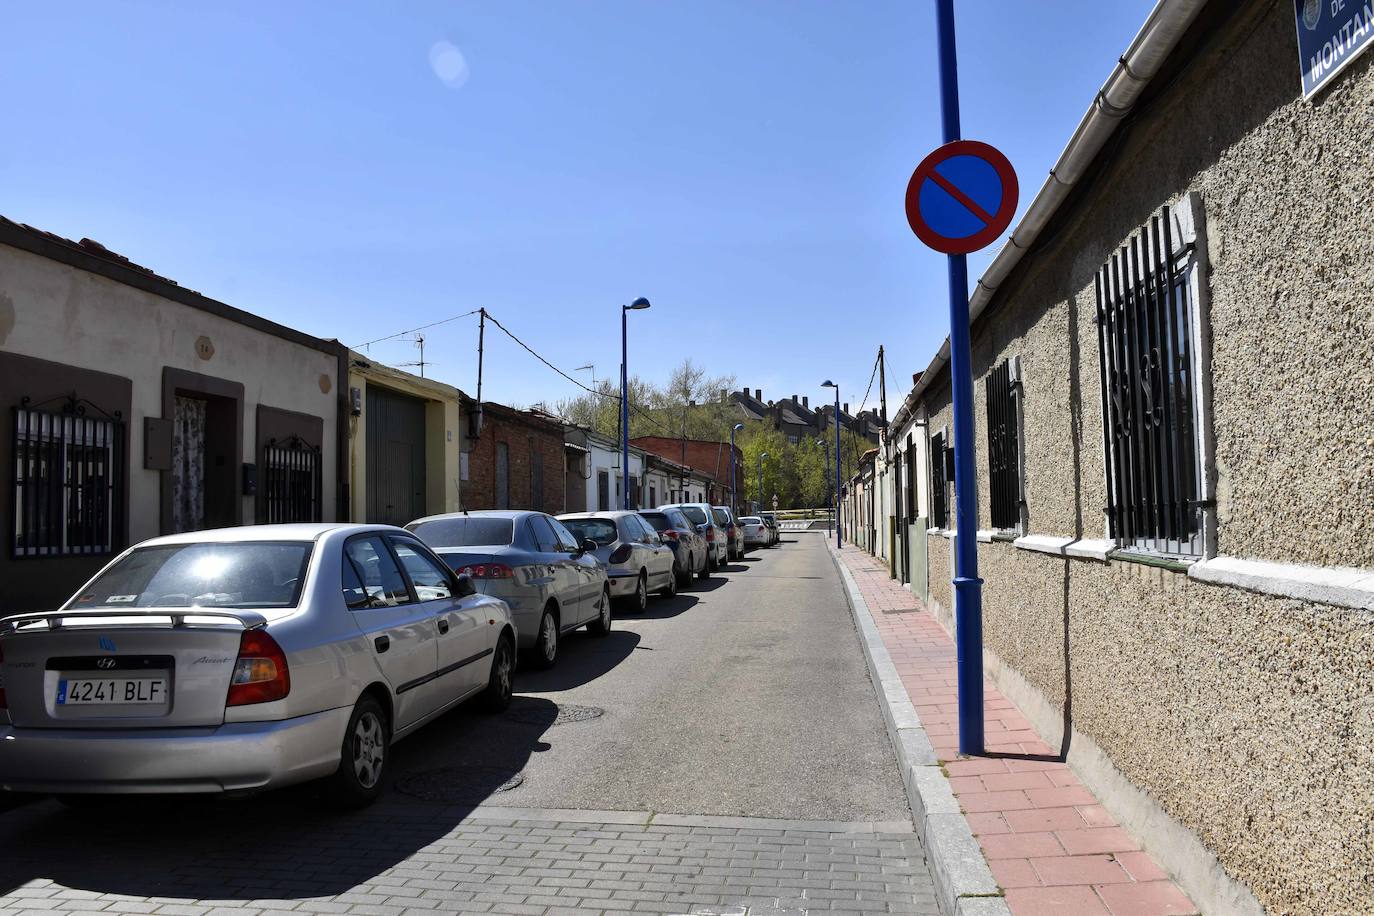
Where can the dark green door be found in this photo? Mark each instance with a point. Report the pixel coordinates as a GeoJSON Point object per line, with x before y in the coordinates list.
{"type": "Point", "coordinates": [395, 457]}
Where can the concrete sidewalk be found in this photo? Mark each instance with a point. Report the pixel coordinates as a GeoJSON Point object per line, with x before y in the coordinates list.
{"type": "Point", "coordinates": [1050, 845]}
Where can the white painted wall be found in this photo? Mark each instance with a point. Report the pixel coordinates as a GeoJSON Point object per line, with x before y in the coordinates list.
{"type": "Point", "coordinates": [67, 315]}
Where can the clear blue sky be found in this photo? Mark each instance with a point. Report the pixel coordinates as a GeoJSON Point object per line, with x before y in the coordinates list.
{"type": "Point", "coordinates": [354, 169]}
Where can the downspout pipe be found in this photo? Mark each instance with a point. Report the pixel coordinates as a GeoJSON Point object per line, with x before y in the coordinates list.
{"type": "Point", "coordinates": [1156, 40]}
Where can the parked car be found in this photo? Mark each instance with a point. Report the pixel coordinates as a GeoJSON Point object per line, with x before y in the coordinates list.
{"type": "Point", "coordinates": [755, 531]}
{"type": "Point", "coordinates": [242, 659]}
{"type": "Point", "coordinates": [635, 558]}
{"type": "Point", "coordinates": [552, 582]}
{"type": "Point", "coordinates": [703, 516]}
{"type": "Point", "coordinates": [771, 520]}
{"type": "Point", "coordinates": [688, 544]}
{"type": "Point", "coordinates": [734, 533]}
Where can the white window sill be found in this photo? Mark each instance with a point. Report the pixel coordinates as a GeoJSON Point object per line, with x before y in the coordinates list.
{"type": "Point", "coordinates": [1341, 586]}
{"type": "Point", "coordinates": [1043, 543]}
{"type": "Point", "coordinates": [1090, 549]}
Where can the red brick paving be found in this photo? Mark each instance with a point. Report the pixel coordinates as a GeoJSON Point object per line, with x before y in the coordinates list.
{"type": "Point", "coordinates": [1050, 845]}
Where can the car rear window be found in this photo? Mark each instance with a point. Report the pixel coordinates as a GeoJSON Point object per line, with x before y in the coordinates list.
{"type": "Point", "coordinates": [751, 520]}
{"type": "Point", "coordinates": [465, 531]}
{"type": "Point", "coordinates": [244, 574]}
{"type": "Point", "coordinates": [657, 519]}
{"type": "Point", "coordinates": [722, 519]}
{"type": "Point", "coordinates": [600, 530]}
{"type": "Point", "coordinates": [694, 514]}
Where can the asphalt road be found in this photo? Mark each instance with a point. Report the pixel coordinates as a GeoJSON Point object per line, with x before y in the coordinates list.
{"type": "Point", "coordinates": [739, 765]}
{"type": "Point", "coordinates": [746, 695]}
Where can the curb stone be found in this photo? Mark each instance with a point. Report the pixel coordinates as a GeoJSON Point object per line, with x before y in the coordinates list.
{"type": "Point", "coordinates": [964, 885]}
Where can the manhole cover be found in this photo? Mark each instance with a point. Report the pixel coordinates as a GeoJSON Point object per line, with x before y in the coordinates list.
{"type": "Point", "coordinates": [454, 785]}
{"type": "Point", "coordinates": [535, 715]}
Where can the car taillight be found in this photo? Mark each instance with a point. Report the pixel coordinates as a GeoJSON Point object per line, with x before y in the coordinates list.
{"type": "Point", "coordinates": [620, 554]}
{"type": "Point", "coordinates": [488, 571]}
{"type": "Point", "coordinates": [669, 535]}
{"type": "Point", "coordinates": [260, 673]}
{"type": "Point", "coordinates": [710, 535]}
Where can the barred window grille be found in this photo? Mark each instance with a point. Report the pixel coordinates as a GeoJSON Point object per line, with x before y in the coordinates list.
{"type": "Point", "coordinates": [939, 507]}
{"type": "Point", "coordinates": [1004, 452]}
{"type": "Point", "coordinates": [291, 481]}
{"type": "Point", "coordinates": [1146, 320]}
{"type": "Point", "coordinates": [68, 482]}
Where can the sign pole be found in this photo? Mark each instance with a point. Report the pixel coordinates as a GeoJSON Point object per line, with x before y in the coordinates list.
{"type": "Point", "coordinates": [968, 588]}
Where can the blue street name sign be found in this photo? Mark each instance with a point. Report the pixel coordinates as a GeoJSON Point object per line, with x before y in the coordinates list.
{"type": "Point", "coordinates": [1331, 34]}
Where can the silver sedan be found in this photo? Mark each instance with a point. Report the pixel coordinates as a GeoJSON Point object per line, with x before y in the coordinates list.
{"type": "Point", "coordinates": [551, 581]}
{"type": "Point", "coordinates": [634, 556]}
{"type": "Point", "coordinates": [243, 659]}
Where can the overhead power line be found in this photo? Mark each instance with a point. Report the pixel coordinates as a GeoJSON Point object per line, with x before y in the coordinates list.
{"type": "Point", "coordinates": [423, 327]}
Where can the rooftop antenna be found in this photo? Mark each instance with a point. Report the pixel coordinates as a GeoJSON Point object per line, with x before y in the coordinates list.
{"type": "Point", "coordinates": [419, 341]}
{"type": "Point", "coordinates": [590, 366]}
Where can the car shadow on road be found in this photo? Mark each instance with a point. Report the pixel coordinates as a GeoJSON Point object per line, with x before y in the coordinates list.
{"type": "Point", "coordinates": [664, 608]}
{"type": "Point", "coordinates": [733, 568]}
{"type": "Point", "coordinates": [708, 585]}
{"type": "Point", "coordinates": [284, 844]}
{"type": "Point", "coordinates": [582, 658]}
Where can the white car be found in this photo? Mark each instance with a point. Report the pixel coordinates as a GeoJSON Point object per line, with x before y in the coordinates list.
{"type": "Point", "coordinates": [243, 659]}
{"type": "Point", "coordinates": [756, 531]}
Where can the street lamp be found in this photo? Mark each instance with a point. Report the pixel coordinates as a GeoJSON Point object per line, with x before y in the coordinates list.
{"type": "Point", "coordinates": [640, 303]}
{"type": "Point", "coordinates": [761, 457]}
{"type": "Point", "coordinates": [829, 384]}
{"type": "Point", "coordinates": [734, 500]}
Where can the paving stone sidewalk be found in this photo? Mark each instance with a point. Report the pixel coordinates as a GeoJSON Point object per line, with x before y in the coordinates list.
{"type": "Point", "coordinates": [1049, 843]}
{"type": "Point", "coordinates": [411, 858]}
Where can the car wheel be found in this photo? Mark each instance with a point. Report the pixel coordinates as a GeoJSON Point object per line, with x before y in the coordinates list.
{"type": "Point", "coordinates": [640, 599]}
{"type": "Point", "coordinates": [601, 626]}
{"type": "Point", "coordinates": [684, 578]}
{"type": "Point", "coordinates": [357, 782]}
{"type": "Point", "coordinates": [501, 682]}
{"type": "Point", "coordinates": [546, 643]}
{"type": "Point", "coordinates": [670, 590]}
{"type": "Point", "coordinates": [705, 572]}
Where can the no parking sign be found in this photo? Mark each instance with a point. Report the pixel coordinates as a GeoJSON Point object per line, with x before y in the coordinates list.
{"type": "Point", "coordinates": [961, 197]}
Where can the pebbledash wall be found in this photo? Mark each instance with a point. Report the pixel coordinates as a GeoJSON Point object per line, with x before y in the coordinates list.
{"type": "Point", "coordinates": [1223, 722]}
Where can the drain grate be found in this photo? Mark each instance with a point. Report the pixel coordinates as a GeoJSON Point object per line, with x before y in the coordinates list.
{"type": "Point", "coordinates": [566, 713]}
{"type": "Point", "coordinates": [459, 784]}
{"type": "Point", "coordinates": [900, 610]}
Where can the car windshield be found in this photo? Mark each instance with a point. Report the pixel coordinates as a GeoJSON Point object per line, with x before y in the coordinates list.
{"type": "Point", "coordinates": [465, 531]}
{"type": "Point", "coordinates": [600, 530]}
{"type": "Point", "coordinates": [244, 574]}
{"type": "Point", "coordinates": [694, 514]}
{"type": "Point", "coordinates": [657, 519]}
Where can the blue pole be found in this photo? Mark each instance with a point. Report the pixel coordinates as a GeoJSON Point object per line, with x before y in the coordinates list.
{"type": "Point", "coordinates": [968, 588]}
{"type": "Point", "coordinates": [624, 407]}
{"type": "Point", "coordinates": [838, 464]}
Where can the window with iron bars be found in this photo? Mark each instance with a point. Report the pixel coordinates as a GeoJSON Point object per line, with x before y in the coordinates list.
{"type": "Point", "coordinates": [68, 482]}
{"type": "Point", "coordinates": [1002, 388]}
{"type": "Point", "coordinates": [291, 481]}
{"type": "Point", "coordinates": [939, 505]}
{"type": "Point", "coordinates": [1147, 323]}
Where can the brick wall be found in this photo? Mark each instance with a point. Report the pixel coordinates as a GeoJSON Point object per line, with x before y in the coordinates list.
{"type": "Point", "coordinates": [712, 458]}
{"type": "Point", "coordinates": [523, 438]}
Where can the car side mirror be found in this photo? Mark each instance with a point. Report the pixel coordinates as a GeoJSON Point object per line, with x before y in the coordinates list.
{"type": "Point", "coordinates": [588, 546]}
{"type": "Point", "coordinates": [465, 586]}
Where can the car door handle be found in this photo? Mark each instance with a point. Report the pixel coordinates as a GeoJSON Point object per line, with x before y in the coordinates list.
{"type": "Point", "coordinates": [443, 626]}
{"type": "Point", "coordinates": [382, 643]}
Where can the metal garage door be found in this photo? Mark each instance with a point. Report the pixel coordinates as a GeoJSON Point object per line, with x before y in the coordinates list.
{"type": "Point", "coordinates": [395, 457]}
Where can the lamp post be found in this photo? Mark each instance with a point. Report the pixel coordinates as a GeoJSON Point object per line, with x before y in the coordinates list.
{"type": "Point", "coordinates": [838, 463]}
{"type": "Point", "coordinates": [640, 303]}
{"type": "Point", "coordinates": [762, 456]}
{"type": "Point", "coordinates": [734, 500]}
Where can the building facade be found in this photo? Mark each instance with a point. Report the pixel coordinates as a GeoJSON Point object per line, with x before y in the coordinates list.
{"type": "Point", "coordinates": [1175, 462]}
{"type": "Point", "coordinates": [136, 407]}
{"type": "Point", "coordinates": [514, 459]}
{"type": "Point", "coordinates": [602, 480]}
{"type": "Point", "coordinates": [709, 458]}
{"type": "Point", "coordinates": [406, 456]}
